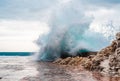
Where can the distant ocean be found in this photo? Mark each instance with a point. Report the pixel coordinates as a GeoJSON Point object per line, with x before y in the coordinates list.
{"type": "Point", "coordinates": [16, 53]}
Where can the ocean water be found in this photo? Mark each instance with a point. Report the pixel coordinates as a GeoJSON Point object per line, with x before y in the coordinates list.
{"type": "Point", "coordinates": [16, 53]}
{"type": "Point", "coordinates": [16, 65]}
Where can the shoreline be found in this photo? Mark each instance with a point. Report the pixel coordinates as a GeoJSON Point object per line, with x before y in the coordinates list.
{"type": "Point", "coordinates": [14, 68]}
{"type": "Point", "coordinates": [49, 71]}
{"type": "Point", "coordinates": [17, 68]}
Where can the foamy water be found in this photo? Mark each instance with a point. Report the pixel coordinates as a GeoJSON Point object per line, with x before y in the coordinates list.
{"type": "Point", "coordinates": [14, 68]}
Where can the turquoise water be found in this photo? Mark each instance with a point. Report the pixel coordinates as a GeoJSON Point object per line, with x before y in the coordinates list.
{"type": "Point", "coordinates": [16, 53]}
{"type": "Point", "coordinates": [70, 41]}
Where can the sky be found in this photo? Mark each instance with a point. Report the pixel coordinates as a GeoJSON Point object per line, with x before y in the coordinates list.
{"type": "Point", "coordinates": [23, 21]}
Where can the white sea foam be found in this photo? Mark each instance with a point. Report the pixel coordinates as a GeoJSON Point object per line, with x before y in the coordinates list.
{"type": "Point", "coordinates": [14, 68]}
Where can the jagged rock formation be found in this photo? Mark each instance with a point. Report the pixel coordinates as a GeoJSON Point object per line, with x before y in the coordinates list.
{"type": "Point", "coordinates": [114, 60]}
{"type": "Point", "coordinates": [101, 55]}
{"type": "Point", "coordinates": [78, 60]}
{"type": "Point", "coordinates": [94, 62]}
{"type": "Point", "coordinates": [106, 53]}
{"type": "Point", "coordinates": [71, 61]}
{"type": "Point", "coordinates": [114, 63]}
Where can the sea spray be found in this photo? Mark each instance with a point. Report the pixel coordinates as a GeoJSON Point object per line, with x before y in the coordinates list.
{"type": "Point", "coordinates": [70, 34]}
{"type": "Point", "coordinates": [69, 41]}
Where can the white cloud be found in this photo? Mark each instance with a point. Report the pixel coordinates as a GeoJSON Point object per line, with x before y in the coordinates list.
{"type": "Point", "coordinates": [17, 46]}
{"type": "Point", "coordinates": [105, 21]}
{"type": "Point", "coordinates": [19, 35]}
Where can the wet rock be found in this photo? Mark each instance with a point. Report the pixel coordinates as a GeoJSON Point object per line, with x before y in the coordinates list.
{"type": "Point", "coordinates": [87, 63]}
{"type": "Point", "coordinates": [58, 60]}
{"type": "Point", "coordinates": [114, 63]}
{"type": "Point", "coordinates": [94, 62]}
{"type": "Point", "coordinates": [106, 53]}
{"type": "Point", "coordinates": [114, 59]}
{"type": "Point", "coordinates": [71, 61]}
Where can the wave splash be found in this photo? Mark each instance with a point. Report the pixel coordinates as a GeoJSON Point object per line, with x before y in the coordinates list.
{"type": "Point", "coordinates": [70, 41]}
{"type": "Point", "coordinates": [70, 34]}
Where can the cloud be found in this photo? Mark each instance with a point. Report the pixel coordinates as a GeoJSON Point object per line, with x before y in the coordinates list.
{"type": "Point", "coordinates": [20, 35]}
{"type": "Point", "coordinates": [24, 9]}
{"type": "Point", "coordinates": [42, 9]}
{"type": "Point", "coordinates": [102, 2]}
{"type": "Point", "coordinates": [17, 46]}
{"type": "Point", "coordinates": [93, 4]}
{"type": "Point", "coordinates": [15, 27]}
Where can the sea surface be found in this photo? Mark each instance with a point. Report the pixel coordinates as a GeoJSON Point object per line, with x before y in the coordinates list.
{"type": "Point", "coordinates": [16, 53]}
{"type": "Point", "coordinates": [16, 65]}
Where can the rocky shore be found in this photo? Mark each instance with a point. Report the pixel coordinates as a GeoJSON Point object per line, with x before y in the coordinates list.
{"type": "Point", "coordinates": [79, 68]}
{"type": "Point", "coordinates": [105, 61]}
